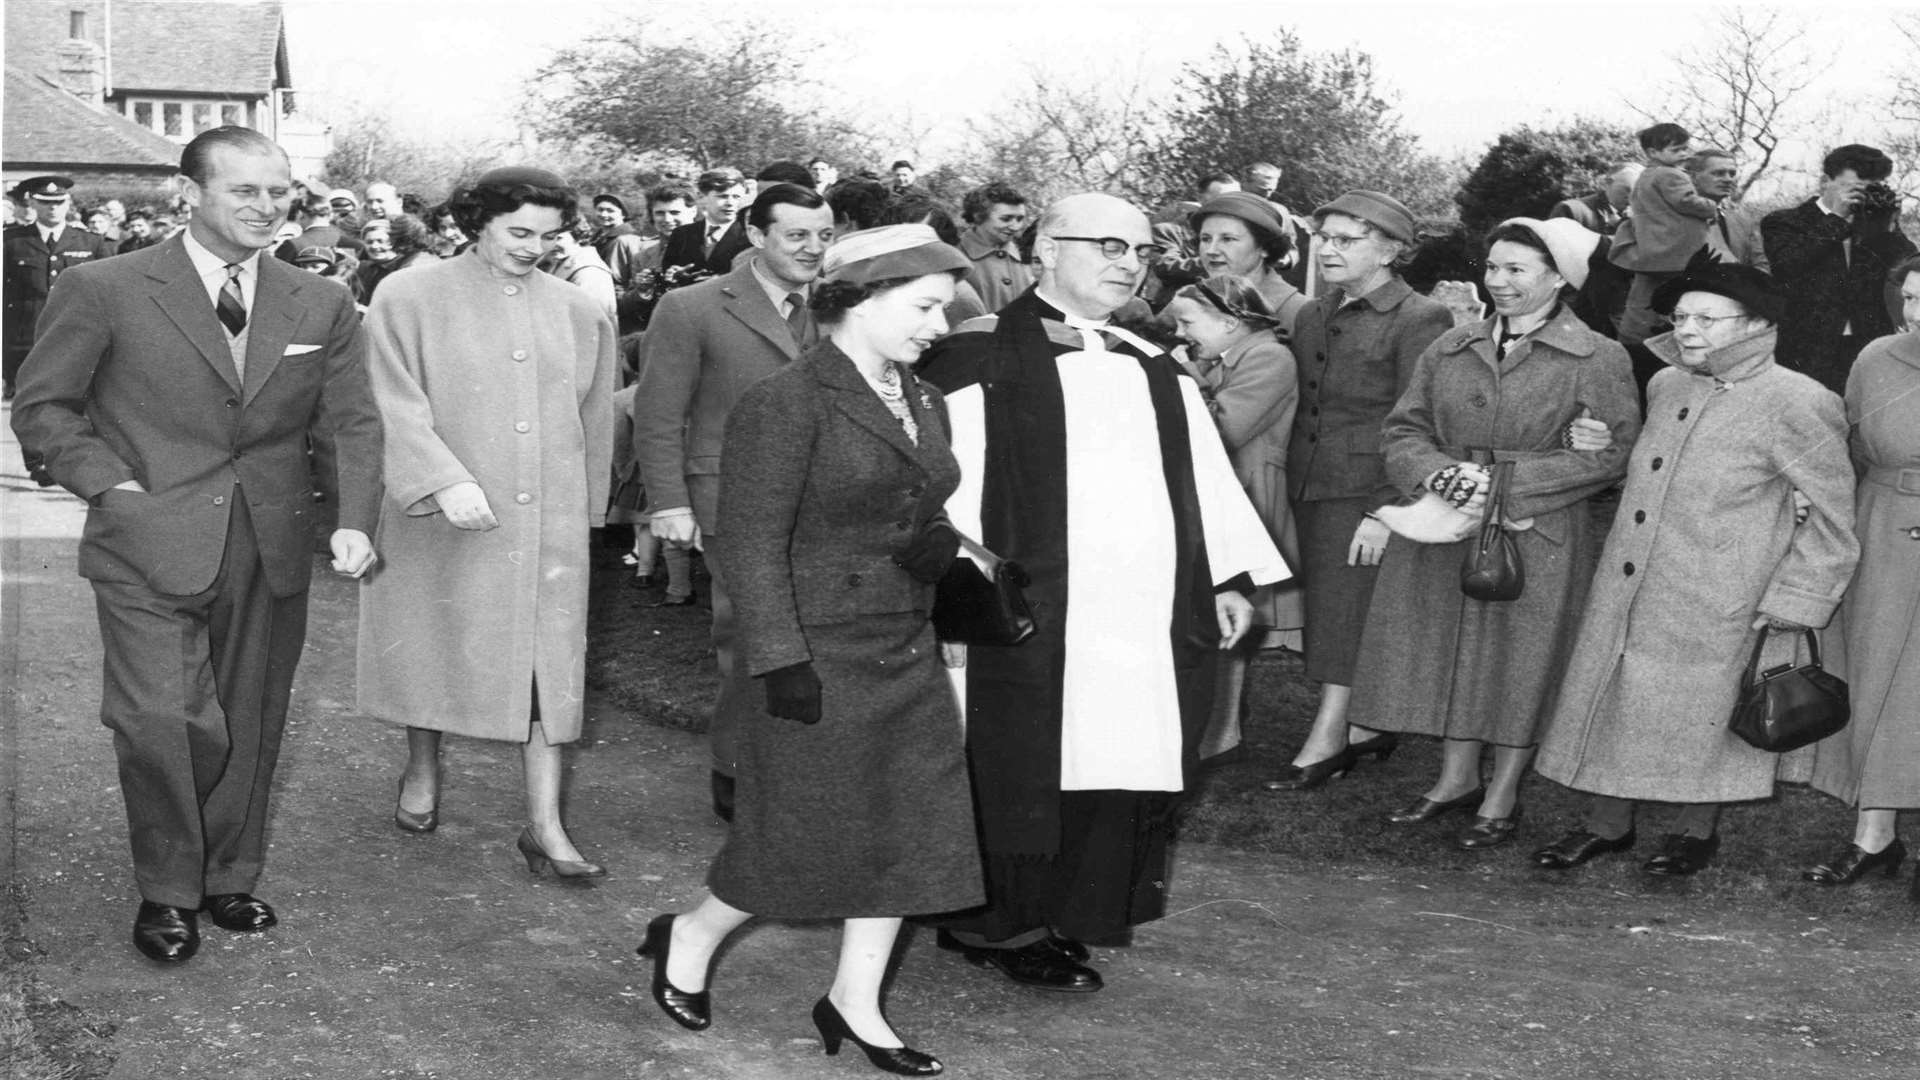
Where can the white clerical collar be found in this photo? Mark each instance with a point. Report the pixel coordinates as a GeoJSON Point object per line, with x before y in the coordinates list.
{"type": "Point", "coordinates": [1078, 322]}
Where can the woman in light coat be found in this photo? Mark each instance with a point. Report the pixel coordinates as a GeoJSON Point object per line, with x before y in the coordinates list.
{"type": "Point", "coordinates": [495, 384]}
{"type": "Point", "coordinates": [1432, 660]}
{"type": "Point", "coordinates": [1875, 763]}
{"type": "Point", "coordinates": [1703, 554]}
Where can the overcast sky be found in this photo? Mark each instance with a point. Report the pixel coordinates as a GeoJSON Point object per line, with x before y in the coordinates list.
{"type": "Point", "coordinates": [1461, 71]}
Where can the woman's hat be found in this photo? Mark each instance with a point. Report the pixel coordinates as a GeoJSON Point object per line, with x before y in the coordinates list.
{"type": "Point", "coordinates": [1570, 243]}
{"type": "Point", "coordinates": [609, 197]}
{"type": "Point", "coordinates": [890, 253]}
{"type": "Point", "coordinates": [1231, 294]}
{"type": "Point", "coordinates": [1750, 288]}
{"type": "Point", "coordinates": [1383, 212]}
{"type": "Point", "coordinates": [516, 175]}
{"type": "Point", "coordinates": [317, 256]}
{"type": "Point", "coordinates": [1247, 207]}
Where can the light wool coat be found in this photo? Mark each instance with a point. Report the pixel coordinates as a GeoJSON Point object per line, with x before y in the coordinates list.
{"type": "Point", "coordinates": [1704, 539]}
{"type": "Point", "coordinates": [508, 382]}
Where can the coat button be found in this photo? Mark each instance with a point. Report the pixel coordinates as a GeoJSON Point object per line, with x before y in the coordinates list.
{"type": "Point", "coordinates": [901, 525]}
{"type": "Point", "coordinates": [1313, 438]}
{"type": "Point", "coordinates": [1657, 462]}
{"type": "Point", "coordinates": [1684, 412]}
{"type": "Point", "coordinates": [1312, 385]}
{"type": "Point", "coordinates": [519, 354]}
{"type": "Point", "coordinates": [854, 580]}
{"type": "Point", "coordinates": [523, 427]}
{"type": "Point", "coordinates": [523, 498]}
{"type": "Point", "coordinates": [1914, 533]}
{"type": "Point", "coordinates": [1639, 517]}
{"type": "Point", "coordinates": [1479, 401]}
{"type": "Point", "coordinates": [236, 455]}
{"type": "Point", "coordinates": [219, 500]}
{"type": "Point", "coordinates": [1629, 569]}
{"type": "Point", "coordinates": [511, 290]}
{"type": "Point", "coordinates": [232, 404]}
{"type": "Point", "coordinates": [1315, 411]}
{"type": "Point", "coordinates": [916, 491]}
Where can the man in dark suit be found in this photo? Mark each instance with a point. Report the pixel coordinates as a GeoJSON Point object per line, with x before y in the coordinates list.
{"type": "Point", "coordinates": [36, 253]}
{"type": "Point", "coordinates": [1830, 257]}
{"type": "Point", "coordinates": [711, 243]}
{"type": "Point", "coordinates": [139, 229]}
{"type": "Point", "coordinates": [173, 389]}
{"type": "Point", "coordinates": [706, 344]}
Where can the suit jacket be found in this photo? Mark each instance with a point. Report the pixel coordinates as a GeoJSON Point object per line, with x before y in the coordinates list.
{"type": "Point", "coordinates": [1825, 289]}
{"type": "Point", "coordinates": [685, 244]}
{"type": "Point", "coordinates": [706, 344]}
{"type": "Point", "coordinates": [821, 488]}
{"type": "Point", "coordinates": [1667, 225]}
{"type": "Point", "coordinates": [30, 271]}
{"type": "Point", "coordinates": [132, 379]}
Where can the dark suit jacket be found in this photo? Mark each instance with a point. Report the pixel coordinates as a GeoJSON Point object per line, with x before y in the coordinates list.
{"type": "Point", "coordinates": [1824, 290]}
{"type": "Point", "coordinates": [683, 246]}
{"type": "Point", "coordinates": [706, 344]}
{"type": "Point", "coordinates": [132, 379]}
{"type": "Point", "coordinates": [31, 270]}
{"type": "Point", "coordinates": [821, 488]}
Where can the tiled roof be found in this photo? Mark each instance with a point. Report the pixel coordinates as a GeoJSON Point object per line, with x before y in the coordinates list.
{"type": "Point", "coordinates": [205, 46]}
{"type": "Point", "coordinates": [47, 126]}
{"type": "Point", "coordinates": [231, 47]}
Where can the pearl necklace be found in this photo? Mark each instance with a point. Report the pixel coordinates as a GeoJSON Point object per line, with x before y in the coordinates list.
{"type": "Point", "coordinates": [888, 385]}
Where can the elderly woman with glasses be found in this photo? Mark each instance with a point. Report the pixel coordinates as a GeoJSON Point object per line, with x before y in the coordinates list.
{"type": "Point", "coordinates": [1356, 348]}
{"type": "Point", "coordinates": [1705, 553]}
{"type": "Point", "coordinates": [1432, 660]}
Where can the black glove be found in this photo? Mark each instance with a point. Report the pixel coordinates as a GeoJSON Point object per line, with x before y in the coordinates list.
{"type": "Point", "coordinates": [793, 693]}
{"type": "Point", "coordinates": [927, 557]}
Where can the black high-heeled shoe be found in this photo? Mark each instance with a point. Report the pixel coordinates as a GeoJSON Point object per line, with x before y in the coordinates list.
{"type": "Point", "coordinates": [1853, 862]}
{"type": "Point", "coordinates": [1425, 809]}
{"type": "Point", "coordinates": [1381, 746]}
{"type": "Point", "coordinates": [539, 862]}
{"type": "Point", "coordinates": [899, 1060]}
{"type": "Point", "coordinates": [408, 821]}
{"type": "Point", "coordinates": [1312, 775]}
{"type": "Point", "coordinates": [691, 1011]}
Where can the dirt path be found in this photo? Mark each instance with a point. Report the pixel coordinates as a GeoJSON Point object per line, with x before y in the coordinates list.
{"type": "Point", "coordinates": [438, 957]}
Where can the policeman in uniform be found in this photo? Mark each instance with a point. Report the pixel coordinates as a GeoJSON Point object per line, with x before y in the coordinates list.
{"type": "Point", "coordinates": [35, 253]}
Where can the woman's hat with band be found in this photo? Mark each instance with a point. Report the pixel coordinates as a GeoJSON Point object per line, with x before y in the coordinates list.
{"type": "Point", "coordinates": [890, 253]}
{"type": "Point", "coordinates": [1750, 288]}
{"type": "Point", "coordinates": [1383, 212]}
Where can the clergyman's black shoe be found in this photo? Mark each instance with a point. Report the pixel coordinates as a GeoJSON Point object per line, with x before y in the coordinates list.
{"type": "Point", "coordinates": [1577, 847]}
{"type": "Point", "coordinates": [239, 912]}
{"type": "Point", "coordinates": [1681, 855]}
{"type": "Point", "coordinates": [1073, 950]}
{"type": "Point", "coordinates": [165, 934]}
{"type": "Point", "coordinates": [1042, 964]}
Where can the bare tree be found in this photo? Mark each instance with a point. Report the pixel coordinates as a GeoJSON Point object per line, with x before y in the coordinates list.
{"type": "Point", "coordinates": [1903, 109]}
{"type": "Point", "coordinates": [1737, 91]}
{"type": "Point", "coordinates": [1056, 138]}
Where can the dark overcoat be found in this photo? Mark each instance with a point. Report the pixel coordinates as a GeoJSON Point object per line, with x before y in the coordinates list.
{"type": "Point", "coordinates": [1703, 541]}
{"type": "Point", "coordinates": [1431, 660]}
{"type": "Point", "coordinates": [868, 812]}
{"type": "Point", "coordinates": [30, 269]}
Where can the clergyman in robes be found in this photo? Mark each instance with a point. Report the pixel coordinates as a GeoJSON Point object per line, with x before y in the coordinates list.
{"type": "Point", "coordinates": [1088, 456]}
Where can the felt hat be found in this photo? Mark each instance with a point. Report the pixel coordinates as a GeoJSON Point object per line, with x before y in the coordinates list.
{"type": "Point", "coordinates": [343, 195]}
{"type": "Point", "coordinates": [1750, 288]}
{"type": "Point", "coordinates": [1246, 206]}
{"type": "Point", "coordinates": [1570, 243]}
{"type": "Point", "coordinates": [1231, 294]}
{"type": "Point", "coordinates": [890, 253]}
{"type": "Point", "coordinates": [608, 197]}
{"type": "Point", "coordinates": [317, 256]}
{"type": "Point", "coordinates": [45, 188]}
{"type": "Point", "coordinates": [1383, 212]}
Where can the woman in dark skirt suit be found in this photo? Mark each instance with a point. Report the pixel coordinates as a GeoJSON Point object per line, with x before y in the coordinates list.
{"type": "Point", "coordinates": [852, 798]}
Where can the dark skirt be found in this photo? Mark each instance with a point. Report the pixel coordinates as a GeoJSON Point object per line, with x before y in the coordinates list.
{"type": "Point", "coordinates": [867, 813]}
{"type": "Point", "coordinates": [1337, 595]}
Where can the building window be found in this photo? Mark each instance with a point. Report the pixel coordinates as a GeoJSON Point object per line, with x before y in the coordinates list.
{"type": "Point", "coordinates": [170, 119]}
{"type": "Point", "coordinates": [233, 115]}
{"type": "Point", "coordinates": [77, 25]}
{"type": "Point", "coordinates": [143, 114]}
{"type": "Point", "coordinates": [181, 120]}
{"type": "Point", "coordinates": [202, 118]}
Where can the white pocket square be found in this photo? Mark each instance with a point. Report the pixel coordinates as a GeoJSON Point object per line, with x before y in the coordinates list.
{"type": "Point", "coordinates": [301, 350]}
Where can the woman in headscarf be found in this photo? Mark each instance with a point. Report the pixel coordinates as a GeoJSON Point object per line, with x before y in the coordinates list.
{"type": "Point", "coordinates": [1357, 347]}
{"type": "Point", "coordinates": [1434, 661]}
{"type": "Point", "coordinates": [852, 798]}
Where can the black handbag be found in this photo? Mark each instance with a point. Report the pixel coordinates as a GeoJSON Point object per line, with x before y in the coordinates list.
{"type": "Point", "coordinates": [1787, 707]}
{"type": "Point", "coordinates": [1492, 569]}
{"type": "Point", "coordinates": [972, 607]}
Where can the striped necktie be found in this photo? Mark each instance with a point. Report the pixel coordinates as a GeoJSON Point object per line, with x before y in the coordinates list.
{"type": "Point", "coordinates": [797, 317]}
{"type": "Point", "coordinates": [232, 307]}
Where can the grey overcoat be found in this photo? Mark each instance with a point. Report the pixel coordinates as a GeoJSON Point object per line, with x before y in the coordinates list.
{"type": "Point", "coordinates": [1704, 539]}
{"type": "Point", "coordinates": [1432, 661]}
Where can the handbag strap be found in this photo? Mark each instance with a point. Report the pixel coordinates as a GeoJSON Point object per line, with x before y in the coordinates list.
{"type": "Point", "coordinates": [1760, 642]}
{"type": "Point", "coordinates": [1494, 514]}
{"type": "Point", "coordinates": [979, 551]}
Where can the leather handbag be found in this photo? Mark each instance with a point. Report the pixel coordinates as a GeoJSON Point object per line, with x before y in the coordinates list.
{"type": "Point", "coordinates": [1492, 569]}
{"type": "Point", "coordinates": [972, 606]}
{"type": "Point", "coordinates": [1789, 706]}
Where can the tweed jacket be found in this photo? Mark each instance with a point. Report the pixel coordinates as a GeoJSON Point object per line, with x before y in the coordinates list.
{"type": "Point", "coordinates": [1667, 223]}
{"type": "Point", "coordinates": [132, 378]}
{"type": "Point", "coordinates": [1355, 361]}
{"type": "Point", "coordinates": [821, 488]}
{"type": "Point", "coordinates": [706, 344]}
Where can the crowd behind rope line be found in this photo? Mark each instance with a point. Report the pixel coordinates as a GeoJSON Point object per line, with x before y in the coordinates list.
{"type": "Point", "coordinates": [1715, 410]}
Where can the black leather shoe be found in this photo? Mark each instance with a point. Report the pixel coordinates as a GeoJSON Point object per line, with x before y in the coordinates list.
{"type": "Point", "coordinates": [1577, 847]}
{"type": "Point", "coordinates": [1681, 855]}
{"type": "Point", "coordinates": [1312, 775]}
{"type": "Point", "coordinates": [239, 912]}
{"type": "Point", "coordinates": [1853, 862]}
{"type": "Point", "coordinates": [675, 601]}
{"type": "Point", "coordinates": [722, 795]}
{"type": "Point", "coordinates": [898, 1060]}
{"type": "Point", "coordinates": [1425, 809]}
{"type": "Point", "coordinates": [1486, 832]}
{"type": "Point", "coordinates": [1075, 951]}
{"type": "Point", "coordinates": [1040, 965]}
{"type": "Point", "coordinates": [691, 1011]}
{"type": "Point", "coordinates": [165, 934]}
{"type": "Point", "coordinates": [1381, 747]}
